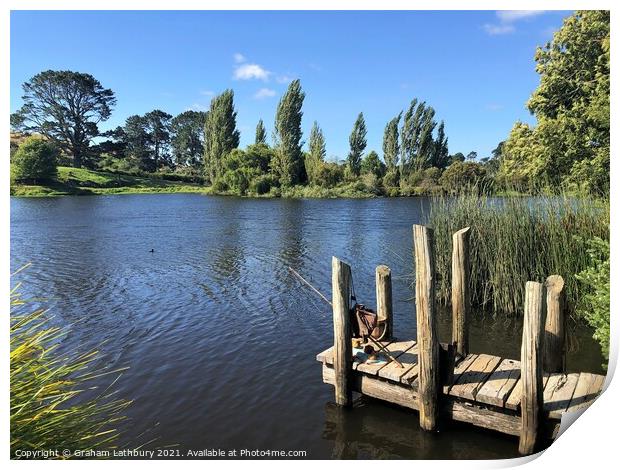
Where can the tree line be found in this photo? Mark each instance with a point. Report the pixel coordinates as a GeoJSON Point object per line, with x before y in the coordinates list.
{"type": "Point", "coordinates": [568, 148]}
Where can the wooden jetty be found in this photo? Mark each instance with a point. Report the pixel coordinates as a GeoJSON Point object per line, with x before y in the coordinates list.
{"type": "Point", "coordinates": [523, 398]}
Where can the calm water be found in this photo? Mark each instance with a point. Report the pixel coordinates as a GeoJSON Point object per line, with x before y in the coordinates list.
{"type": "Point", "coordinates": [220, 339]}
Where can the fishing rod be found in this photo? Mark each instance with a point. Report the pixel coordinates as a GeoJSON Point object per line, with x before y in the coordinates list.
{"type": "Point", "coordinates": [379, 345]}
{"type": "Point", "coordinates": [310, 285]}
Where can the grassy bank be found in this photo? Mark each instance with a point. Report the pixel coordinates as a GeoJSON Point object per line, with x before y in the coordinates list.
{"type": "Point", "coordinates": [80, 181]}
{"type": "Point", "coordinates": [515, 240]}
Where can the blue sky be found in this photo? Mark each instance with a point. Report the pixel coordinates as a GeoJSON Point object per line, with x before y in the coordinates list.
{"type": "Point", "coordinates": [475, 68]}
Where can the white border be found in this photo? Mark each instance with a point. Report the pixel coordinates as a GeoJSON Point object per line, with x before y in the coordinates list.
{"type": "Point", "coordinates": [591, 443]}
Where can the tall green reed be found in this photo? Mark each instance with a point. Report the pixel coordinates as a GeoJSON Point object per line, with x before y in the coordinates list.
{"type": "Point", "coordinates": [515, 240]}
{"type": "Point", "coordinates": [54, 404]}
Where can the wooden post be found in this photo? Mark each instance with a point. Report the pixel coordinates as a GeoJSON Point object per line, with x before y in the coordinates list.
{"type": "Point", "coordinates": [554, 356]}
{"type": "Point", "coordinates": [460, 291]}
{"type": "Point", "coordinates": [531, 366]}
{"type": "Point", "coordinates": [341, 295]}
{"type": "Point", "coordinates": [383, 281]}
{"type": "Point", "coordinates": [428, 344]}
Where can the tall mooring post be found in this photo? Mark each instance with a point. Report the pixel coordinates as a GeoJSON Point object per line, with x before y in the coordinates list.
{"type": "Point", "coordinates": [460, 291]}
{"type": "Point", "coordinates": [428, 342]}
{"type": "Point", "coordinates": [383, 281]}
{"type": "Point", "coordinates": [531, 366]}
{"type": "Point", "coordinates": [341, 295]}
{"type": "Point", "coordinates": [555, 353]}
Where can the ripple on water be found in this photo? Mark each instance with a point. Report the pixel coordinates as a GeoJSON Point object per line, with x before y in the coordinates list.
{"type": "Point", "coordinates": [219, 337]}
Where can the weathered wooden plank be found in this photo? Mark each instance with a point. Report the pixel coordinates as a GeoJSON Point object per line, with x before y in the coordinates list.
{"type": "Point", "coordinates": [470, 381]}
{"type": "Point", "coordinates": [481, 416]}
{"type": "Point", "coordinates": [373, 387]}
{"type": "Point", "coordinates": [532, 366]}
{"type": "Point", "coordinates": [408, 358]}
{"type": "Point", "coordinates": [460, 291]}
{"type": "Point", "coordinates": [341, 296]}
{"type": "Point", "coordinates": [500, 383]}
{"type": "Point", "coordinates": [411, 377]}
{"type": "Point", "coordinates": [559, 390]}
{"type": "Point", "coordinates": [514, 400]}
{"type": "Point", "coordinates": [327, 356]}
{"type": "Point", "coordinates": [404, 396]}
{"type": "Point", "coordinates": [428, 341]}
{"type": "Point", "coordinates": [588, 388]}
{"type": "Point", "coordinates": [460, 369]}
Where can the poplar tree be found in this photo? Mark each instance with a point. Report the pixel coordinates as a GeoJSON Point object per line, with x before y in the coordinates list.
{"type": "Point", "coordinates": [221, 134]}
{"type": "Point", "coordinates": [288, 165]}
{"type": "Point", "coordinates": [440, 153]}
{"type": "Point", "coordinates": [261, 133]}
{"type": "Point", "coordinates": [426, 143]}
{"type": "Point", "coordinates": [316, 155]}
{"type": "Point", "coordinates": [417, 144]}
{"type": "Point", "coordinates": [357, 143]}
{"type": "Point", "coordinates": [390, 143]}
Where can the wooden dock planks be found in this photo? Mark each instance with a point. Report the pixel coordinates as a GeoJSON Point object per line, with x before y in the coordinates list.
{"type": "Point", "coordinates": [588, 387]}
{"type": "Point", "coordinates": [500, 383]}
{"type": "Point", "coordinates": [408, 358]}
{"type": "Point", "coordinates": [474, 377]}
{"type": "Point", "coordinates": [478, 378]}
{"type": "Point", "coordinates": [558, 393]}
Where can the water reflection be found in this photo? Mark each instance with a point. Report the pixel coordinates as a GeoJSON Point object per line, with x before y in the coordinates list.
{"type": "Point", "coordinates": [370, 430]}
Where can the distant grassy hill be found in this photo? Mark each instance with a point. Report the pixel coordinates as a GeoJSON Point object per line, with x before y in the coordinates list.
{"type": "Point", "coordinates": [82, 181]}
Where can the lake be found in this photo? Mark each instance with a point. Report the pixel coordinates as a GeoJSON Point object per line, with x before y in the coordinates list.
{"type": "Point", "coordinates": [219, 338]}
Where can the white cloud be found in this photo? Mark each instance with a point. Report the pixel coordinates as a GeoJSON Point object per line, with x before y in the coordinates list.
{"type": "Point", "coordinates": [251, 71]}
{"type": "Point", "coordinates": [239, 58]}
{"type": "Point", "coordinates": [507, 18]}
{"type": "Point", "coordinates": [495, 29]}
{"type": "Point", "coordinates": [264, 93]}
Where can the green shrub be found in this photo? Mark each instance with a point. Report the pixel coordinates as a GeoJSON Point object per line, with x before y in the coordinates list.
{"type": "Point", "coordinates": [464, 176]}
{"type": "Point", "coordinates": [594, 305]}
{"type": "Point", "coordinates": [220, 185]}
{"type": "Point", "coordinates": [372, 184]}
{"type": "Point", "coordinates": [35, 160]}
{"type": "Point", "coordinates": [330, 174]}
{"type": "Point", "coordinates": [372, 164]}
{"type": "Point", "coordinates": [237, 180]}
{"type": "Point", "coordinates": [262, 184]}
{"type": "Point", "coordinates": [392, 180]}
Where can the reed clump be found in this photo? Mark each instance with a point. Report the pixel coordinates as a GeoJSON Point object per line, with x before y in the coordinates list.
{"type": "Point", "coordinates": [54, 404]}
{"type": "Point", "coordinates": [515, 240]}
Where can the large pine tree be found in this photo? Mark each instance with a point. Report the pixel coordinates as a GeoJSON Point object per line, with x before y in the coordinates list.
{"type": "Point", "coordinates": [288, 165]}
{"type": "Point", "coordinates": [221, 134]}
